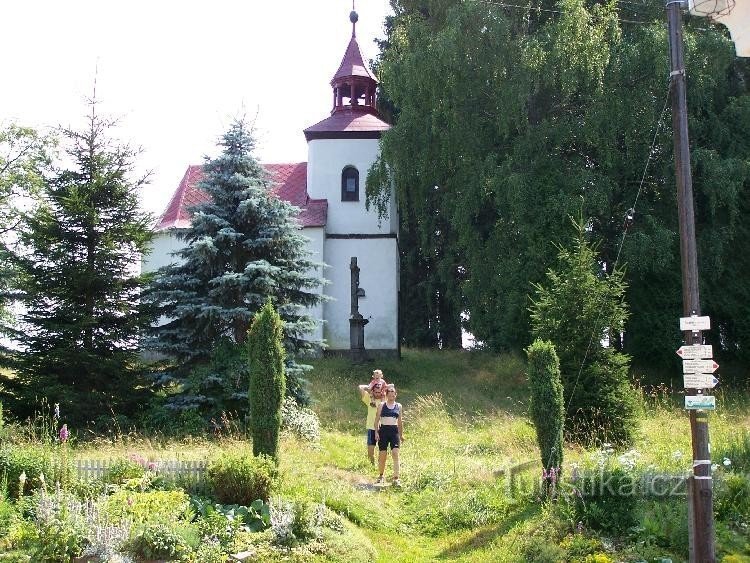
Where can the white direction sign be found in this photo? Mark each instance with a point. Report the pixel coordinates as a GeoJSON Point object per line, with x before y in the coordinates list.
{"type": "Point", "coordinates": [699, 381]}
{"type": "Point", "coordinates": [695, 323]}
{"type": "Point", "coordinates": [699, 366]}
{"type": "Point", "coordinates": [696, 351]}
{"type": "Point", "coordinates": [700, 402]}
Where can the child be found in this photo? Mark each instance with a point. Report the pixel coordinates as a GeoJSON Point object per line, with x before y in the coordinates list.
{"type": "Point", "coordinates": [377, 382]}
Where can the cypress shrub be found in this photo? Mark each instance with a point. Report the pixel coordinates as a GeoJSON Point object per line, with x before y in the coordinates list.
{"type": "Point", "coordinates": [547, 408]}
{"type": "Point", "coordinates": [267, 380]}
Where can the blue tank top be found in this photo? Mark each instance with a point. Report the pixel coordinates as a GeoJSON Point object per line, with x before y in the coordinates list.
{"type": "Point", "coordinates": [389, 416]}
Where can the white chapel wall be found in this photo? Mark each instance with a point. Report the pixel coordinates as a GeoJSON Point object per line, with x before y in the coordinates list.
{"type": "Point", "coordinates": [326, 159]}
{"type": "Point", "coordinates": [378, 263]}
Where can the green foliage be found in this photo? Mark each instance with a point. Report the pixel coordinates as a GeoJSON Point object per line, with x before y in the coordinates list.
{"type": "Point", "coordinates": [546, 406]}
{"type": "Point", "coordinates": [31, 460]}
{"type": "Point", "coordinates": [159, 541]}
{"type": "Point", "coordinates": [59, 539]}
{"type": "Point", "coordinates": [732, 499]}
{"type": "Point", "coordinates": [141, 507]}
{"type": "Point", "coordinates": [122, 470]}
{"type": "Point", "coordinates": [82, 313]}
{"type": "Point", "coordinates": [664, 523]}
{"type": "Point", "coordinates": [242, 248]}
{"type": "Point", "coordinates": [505, 117]}
{"type": "Point", "coordinates": [577, 307]}
{"type": "Point", "coordinates": [238, 478]}
{"type": "Point", "coordinates": [300, 421]}
{"type": "Point", "coordinates": [603, 500]}
{"type": "Point", "coordinates": [267, 380]}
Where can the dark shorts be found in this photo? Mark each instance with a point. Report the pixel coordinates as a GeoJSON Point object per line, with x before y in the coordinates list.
{"type": "Point", "coordinates": [388, 436]}
{"type": "Point", "coordinates": [371, 437]}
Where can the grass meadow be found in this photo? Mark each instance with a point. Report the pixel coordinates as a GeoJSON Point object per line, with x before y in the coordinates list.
{"type": "Point", "coordinates": [470, 466]}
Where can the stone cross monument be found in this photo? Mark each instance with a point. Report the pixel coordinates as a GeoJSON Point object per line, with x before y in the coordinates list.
{"type": "Point", "coordinates": [356, 321]}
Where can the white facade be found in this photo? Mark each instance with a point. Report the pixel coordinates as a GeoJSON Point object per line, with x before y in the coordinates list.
{"type": "Point", "coordinates": [353, 231]}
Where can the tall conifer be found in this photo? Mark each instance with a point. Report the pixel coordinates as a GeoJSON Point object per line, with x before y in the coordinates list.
{"type": "Point", "coordinates": [243, 247]}
{"type": "Point", "coordinates": [76, 282]}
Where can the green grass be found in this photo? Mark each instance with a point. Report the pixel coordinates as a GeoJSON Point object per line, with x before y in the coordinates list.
{"type": "Point", "coordinates": [465, 424]}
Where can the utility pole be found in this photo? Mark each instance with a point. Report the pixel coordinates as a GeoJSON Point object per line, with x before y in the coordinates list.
{"type": "Point", "coordinates": [702, 539]}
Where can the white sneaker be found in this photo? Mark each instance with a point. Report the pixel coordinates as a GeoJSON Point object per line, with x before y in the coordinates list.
{"type": "Point", "coordinates": [397, 482]}
{"type": "Point", "coordinates": [379, 480]}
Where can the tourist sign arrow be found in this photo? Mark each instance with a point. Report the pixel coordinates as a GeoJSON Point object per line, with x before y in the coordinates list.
{"type": "Point", "coordinates": [696, 351]}
{"type": "Point", "coordinates": [700, 402]}
{"type": "Point", "coordinates": [699, 380]}
{"type": "Point", "coordinates": [695, 323]}
{"type": "Point", "coordinates": [699, 366]}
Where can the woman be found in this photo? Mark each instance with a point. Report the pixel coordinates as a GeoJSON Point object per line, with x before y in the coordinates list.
{"type": "Point", "coordinates": [389, 431]}
{"type": "Point", "coordinates": [372, 398]}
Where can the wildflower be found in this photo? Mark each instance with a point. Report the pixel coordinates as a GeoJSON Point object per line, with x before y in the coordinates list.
{"type": "Point", "coordinates": [151, 466]}
{"type": "Point", "coordinates": [22, 477]}
{"type": "Point", "coordinates": [56, 414]}
{"type": "Point", "coordinates": [677, 455]}
{"type": "Point", "coordinates": [579, 527]}
{"type": "Point", "coordinates": [64, 434]}
{"type": "Point", "coordinates": [727, 462]}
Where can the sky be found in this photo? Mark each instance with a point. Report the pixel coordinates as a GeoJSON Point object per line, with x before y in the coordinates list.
{"type": "Point", "coordinates": [175, 73]}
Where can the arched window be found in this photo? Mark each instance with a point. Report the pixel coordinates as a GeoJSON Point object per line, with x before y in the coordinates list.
{"type": "Point", "coordinates": [350, 184]}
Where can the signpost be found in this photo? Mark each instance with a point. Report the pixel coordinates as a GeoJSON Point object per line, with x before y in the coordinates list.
{"type": "Point", "coordinates": [695, 323]}
{"type": "Point", "coordinates": [700, 402]}
{"type": "Point", "coordinates": [699, 381]}
{"type": "Point", "coordinates": [696, 351]}
{"type": "Point", "coordinates": [699, 366]}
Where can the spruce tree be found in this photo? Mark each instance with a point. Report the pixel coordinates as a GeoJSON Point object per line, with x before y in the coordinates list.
{"type": "Point", "coordinates": [267, 380]}
{"type": "Point", "coordinates": [74, 263]}
{"type": "Point", "coordinates": [243, 247]}
{"type": "Point", "coordinates": [577, 308]}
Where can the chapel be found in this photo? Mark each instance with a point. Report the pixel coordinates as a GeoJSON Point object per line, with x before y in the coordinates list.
{"type": "Point", "coordinates": [329, 190]}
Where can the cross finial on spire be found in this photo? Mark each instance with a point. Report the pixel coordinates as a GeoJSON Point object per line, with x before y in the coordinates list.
{"type": "Point", "coordinates": [353, 17]}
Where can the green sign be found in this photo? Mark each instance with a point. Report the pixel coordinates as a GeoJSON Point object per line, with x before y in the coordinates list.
{"type": "Point", "coordinates": [700, 402]}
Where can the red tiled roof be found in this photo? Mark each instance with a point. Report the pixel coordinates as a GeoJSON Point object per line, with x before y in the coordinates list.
{"type": "Point", "coordinates": [290, 184]}
{"type": "Point", "coordinates": [351, 122]}
{"type": "Point", "coordinates": [352, 64]}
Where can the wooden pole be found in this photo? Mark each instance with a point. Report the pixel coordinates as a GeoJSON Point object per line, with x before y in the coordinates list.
{"type": "Point", "coordinates": [702, 540]}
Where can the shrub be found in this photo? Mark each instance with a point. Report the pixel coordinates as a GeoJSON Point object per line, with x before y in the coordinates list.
{"type": "Point", "coordinates": [577, 307]}
{"type": "Point", "coordinates": [301, 421]}
{"type": "Point", "coordinates": [33, 461]}
{"type": "Point", "coordinates": [547, 409]}
{"type": "Point", "coordinates": [603, 500]}
{"type": "Point", "coordinates": [732, 498]}
{"type": "Point", "coordinates": [159, 541]}
{"type": "Point", "coordinates": [149, 506]}
{"type": "Point", "coordinates": [241, 479]}
{"type": "Point", "coordinates": [59, 540]}
{"type": "Point", "coordinates": [267, 380]}
{"type": "Point", "coordinates": [122, 470]}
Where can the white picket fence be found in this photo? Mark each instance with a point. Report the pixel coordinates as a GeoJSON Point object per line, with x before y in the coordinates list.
{"type": "Point", "coordinates": [89, 469]}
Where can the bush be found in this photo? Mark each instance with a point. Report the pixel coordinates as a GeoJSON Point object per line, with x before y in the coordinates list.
{"type": "Point", "coordinates": [301, 421]}
{"type": "Point", "coordinates": [122, 470]}
{"type": "Point", "coordinates": [267, 380]}
{"type": "Point", "coordinates": [576, 308]}
{"type": "Point", "coordinates": [159, 541]}
{"type": "Point", "coordinates": [241, 479]}
{"type": "Point", "coordinates": [546, 408]}
{"type": "Point", "coordinates": [59, 540]}
{"type": "Point", "coordinates": [603, 500]}
{"type": "Point", "coordinates": [732, 498]}
{"type": "Point", "coordinates": [33, 461]}
{"type": "Point", "coordinates": [149, 506]}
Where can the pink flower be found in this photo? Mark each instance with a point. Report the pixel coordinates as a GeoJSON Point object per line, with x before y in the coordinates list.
{"type": "Point", "coordinates": [64, 434]}
{"type": "Point", "coordinates": [151, 466]}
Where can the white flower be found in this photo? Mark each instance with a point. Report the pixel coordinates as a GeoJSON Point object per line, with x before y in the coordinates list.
{"type": "Point", "coordinates": [727, 462]}
{"type": "Point", "coordinates": [677, 455]}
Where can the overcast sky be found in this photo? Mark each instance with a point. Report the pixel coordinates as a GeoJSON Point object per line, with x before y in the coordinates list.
{"type": "Point", "coordinates": [175, 72]}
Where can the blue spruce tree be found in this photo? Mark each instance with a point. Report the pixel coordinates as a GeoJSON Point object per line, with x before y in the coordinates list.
{"type": "Point", "coordinates": [244, 247]}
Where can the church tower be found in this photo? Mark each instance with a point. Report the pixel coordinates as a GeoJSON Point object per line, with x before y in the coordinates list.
{"type": "Point", "coordinates": [341, 149]}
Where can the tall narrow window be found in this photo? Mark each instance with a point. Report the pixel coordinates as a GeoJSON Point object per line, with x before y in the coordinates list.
{"type": "Point", "coordinates": [349, 184]}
